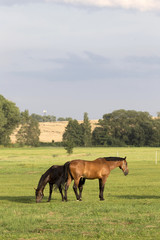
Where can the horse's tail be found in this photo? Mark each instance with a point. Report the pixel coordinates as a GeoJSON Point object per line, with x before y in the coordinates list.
{"type": "Point", "coordinates": [63, 177]}
{"type": "Point", "coordinates": [66, 171]}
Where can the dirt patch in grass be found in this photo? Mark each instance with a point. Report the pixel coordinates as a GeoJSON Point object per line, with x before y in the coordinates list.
{"type": "Point", "coordinates": [34, 172]}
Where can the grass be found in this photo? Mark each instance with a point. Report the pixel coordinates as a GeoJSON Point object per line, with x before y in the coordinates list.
{"type": "Point", "coordinates": [130, 210]}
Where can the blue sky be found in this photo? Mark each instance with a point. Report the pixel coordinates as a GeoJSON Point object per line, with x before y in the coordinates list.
{"type": "Point", "coordinates": [74, 56]}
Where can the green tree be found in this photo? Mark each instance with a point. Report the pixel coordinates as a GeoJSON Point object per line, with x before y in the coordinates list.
{"type": "Point", "coordinates": [73, 133]}
{"type": "Point", "coordinates": [64, 119]}
{"type": "Point", "coordinates": [39, 118]}
{"type": "Point", "coordinates": [87, 136]}
{"type": "Point", "coordinates": [99, 136]}
{"type": "Point", "coordinates": [25, 117]}
{"type": "Point", "coordinates": [9, 119]}
{"type": "Point", "coordinates": [68, 146]}
{"type": "Point", "coordinates": [158, 114]}
{"type": "Point", "coordinates": [29, 132]}
{"type": "Point", "coordinates": [123, 127]}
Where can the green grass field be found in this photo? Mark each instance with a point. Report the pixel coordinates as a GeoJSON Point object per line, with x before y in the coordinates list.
{"type": "Point", "coordinates": [131, 209]}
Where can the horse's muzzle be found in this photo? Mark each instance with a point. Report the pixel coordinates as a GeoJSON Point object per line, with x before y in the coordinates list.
{"type": "Point", "coordinates": [126, 173]}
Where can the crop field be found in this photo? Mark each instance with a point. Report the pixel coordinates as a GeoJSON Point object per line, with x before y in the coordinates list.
{"type": "Point", "coordinates": [131, 209]}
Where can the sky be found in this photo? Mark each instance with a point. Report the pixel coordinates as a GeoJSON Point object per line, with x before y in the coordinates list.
{"type": "Point", "coordinates": [74, 56]}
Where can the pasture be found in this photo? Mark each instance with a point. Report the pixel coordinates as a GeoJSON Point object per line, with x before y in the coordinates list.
{"type": "Point", "coordinates": [131, 209]}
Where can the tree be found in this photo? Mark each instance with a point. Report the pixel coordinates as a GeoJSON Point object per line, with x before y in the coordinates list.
{"type": "Point", "coordinates": [9, 119]}
{"type": "Point", "coordinates": [74, 133]}
{"type": "Point", "coordinates": [158, 114]}
{"type": "Point", "coordinates": [29, 132]}
{"type": "Point", "coordinates": [68, 146]}
{"type": "Point", "coordinates": [73, 136]}
{"type": "Point", "coordinates": [123, 127]}
{"type": "Point", "coordinates": [25, 117]}
{"type": "Point", "coordinates": [40, 118]}
{"type": "Point", "coordinates": [98, 136]}
{"type": "Point", "coordinates": [87, 136]}
{"type": "Point", "coordinates": [64, 119]}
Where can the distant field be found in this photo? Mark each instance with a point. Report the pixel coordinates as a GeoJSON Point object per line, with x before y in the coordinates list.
{"type": "Point", "coordinates": [53, 130]}
{"type": "Point", "coordinates": [130, 210]}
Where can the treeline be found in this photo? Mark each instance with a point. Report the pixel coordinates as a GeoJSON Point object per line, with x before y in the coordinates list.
{"type": "Point", "coordinates": [127, 128]}
{"type": "Point", "coordinates": [10, 118]}
{"type": "Point", "coordinates": [49, 118]}
{"type": "Point", "coordinates": [119, 128]}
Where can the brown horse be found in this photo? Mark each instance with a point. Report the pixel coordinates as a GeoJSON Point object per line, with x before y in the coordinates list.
{"type": "Point", "coordinates": [79, 170]}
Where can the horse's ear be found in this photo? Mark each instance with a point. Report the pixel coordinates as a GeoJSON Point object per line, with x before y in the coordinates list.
{"type": "Point", "coordinates": [125, 158]}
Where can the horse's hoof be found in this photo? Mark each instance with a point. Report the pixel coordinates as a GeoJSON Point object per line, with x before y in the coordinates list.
{"type": "Point", "coordinates": [101, 199]}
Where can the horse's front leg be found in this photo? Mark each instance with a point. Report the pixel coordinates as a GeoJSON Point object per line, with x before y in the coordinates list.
{"type": "Point", "coordinates": [50, 191]}
{"type": "Point", "coordinates": [101, 187]}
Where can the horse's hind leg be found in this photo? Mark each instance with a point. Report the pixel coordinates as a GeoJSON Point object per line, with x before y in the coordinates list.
{"type": "Point", "coordinates": [75, 186]}
{"type": "Point", "coordinates": [50, 191]}
{"type": "Point", "coordinates": [80, 186]}
{"type": "Point", "coordinates": [67, 186]}
{"type": "Point", "coordinates": [75, 191]}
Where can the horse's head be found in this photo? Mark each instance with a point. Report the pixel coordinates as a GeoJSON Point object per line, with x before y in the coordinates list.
{"type": "Point", "coordinates": [124, 167]}
{"type": "Point", "coordinates": [39, 195]}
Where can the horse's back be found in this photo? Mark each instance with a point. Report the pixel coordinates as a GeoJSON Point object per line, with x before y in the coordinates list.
{"type": "Point", "coordinates": [77, 164]}
{"type": "Point", "coordinates": [88, 169]}
{"type": "Point", "coordinates": [55, 172]}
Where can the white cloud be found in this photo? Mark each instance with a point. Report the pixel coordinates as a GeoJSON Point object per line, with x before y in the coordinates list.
{"type": "Point", "coordinates": [141, 5]}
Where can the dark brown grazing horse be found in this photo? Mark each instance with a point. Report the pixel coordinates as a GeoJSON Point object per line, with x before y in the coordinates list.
{"type": "Point", "coordinates": [55, 177]}
{"type": "Point", "coordinates": [79, 170]}
{"type": "Point", "coordinates": [51, 176]}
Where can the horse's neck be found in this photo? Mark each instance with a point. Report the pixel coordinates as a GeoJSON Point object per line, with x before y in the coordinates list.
{"type": "Point", "coordinates": [114, 164]}
{"type": "Point", "coordinates": [43, 181]}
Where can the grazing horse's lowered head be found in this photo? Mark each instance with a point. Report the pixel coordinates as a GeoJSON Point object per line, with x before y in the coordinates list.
{"type": "Point", "coordinates": [53, 176]}
{"type": "Point", "coordinates": [41, 185]}
{"type": "Point", "coordinates": [39, 195]}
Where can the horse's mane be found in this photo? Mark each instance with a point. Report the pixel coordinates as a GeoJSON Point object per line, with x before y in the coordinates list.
{"type": "Point", "coordinates": [42, 180]}
{"type": "Point", "coordinates": [114, 158]}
